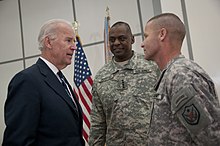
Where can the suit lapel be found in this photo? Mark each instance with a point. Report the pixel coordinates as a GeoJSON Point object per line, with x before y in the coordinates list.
{"type": "Point", "coordinates": [54, 83]}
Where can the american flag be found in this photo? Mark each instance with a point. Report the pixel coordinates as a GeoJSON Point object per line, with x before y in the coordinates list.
{"type": "Point", "coordinates": [83, 84]}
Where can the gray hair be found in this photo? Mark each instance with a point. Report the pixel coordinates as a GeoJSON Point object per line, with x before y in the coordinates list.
{"type": "Point", "coordinates": [49, 28]}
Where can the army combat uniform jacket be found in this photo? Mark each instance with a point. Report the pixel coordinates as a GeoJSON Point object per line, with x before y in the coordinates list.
{"type": "Point", "coordinates": [186, 110]}
{"type": "Point", "coordinates": [122, 98]}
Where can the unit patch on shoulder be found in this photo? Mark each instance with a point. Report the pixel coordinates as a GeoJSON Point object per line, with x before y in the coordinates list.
{"type": "Point", "coordinates": [186, 104]}
{"type": "Point", "coordinates": [191, 114]}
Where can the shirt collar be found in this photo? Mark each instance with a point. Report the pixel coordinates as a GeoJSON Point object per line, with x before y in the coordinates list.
{"type": "Point", "coordinates": [173, 60]}
{"type": "Point", "coordinates": [50, 65]}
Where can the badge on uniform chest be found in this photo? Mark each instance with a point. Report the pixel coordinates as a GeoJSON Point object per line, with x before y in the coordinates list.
{"type": "Point", "coordinates": [122, 85]}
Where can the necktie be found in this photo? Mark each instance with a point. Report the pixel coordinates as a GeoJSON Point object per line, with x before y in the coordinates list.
{"type": "Point", "coordinates": [62, 78]}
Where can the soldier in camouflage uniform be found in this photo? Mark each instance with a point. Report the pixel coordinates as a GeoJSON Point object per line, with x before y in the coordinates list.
{"type": "Point", "coordinates": [186, 110]}
{"type": "Point", "coordinates": [122, 94]}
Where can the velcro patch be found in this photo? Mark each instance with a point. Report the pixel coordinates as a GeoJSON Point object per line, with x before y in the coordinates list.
{"type": "Point", "coordinates": [191, 114]}
{"type": "Point", "coordinates": [190, 111]}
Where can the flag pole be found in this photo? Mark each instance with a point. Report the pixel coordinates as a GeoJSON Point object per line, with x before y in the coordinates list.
{"type": "Point", "coordinates": [107, 12]}
{"type": "Point", "coordinates": [108, 54]}
{"type": "Point", "coordinates": [75, 25]}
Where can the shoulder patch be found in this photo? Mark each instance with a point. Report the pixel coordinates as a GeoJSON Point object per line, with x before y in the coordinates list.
{"type": "Point", "coordinates": [191, 114]}
{"type": "Point", "coordinates": [181, 98]}
{"type": "Point", "coordinates": [190, 111]}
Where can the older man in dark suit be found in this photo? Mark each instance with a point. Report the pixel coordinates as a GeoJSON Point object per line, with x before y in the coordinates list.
{"type": "Point", "coordinates": [41, 109]}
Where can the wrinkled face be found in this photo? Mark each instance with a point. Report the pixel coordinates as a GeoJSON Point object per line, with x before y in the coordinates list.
{"type": "Point", "coordinates": [62, 47]}
{"type": "Point", "coordinates": [150, 44]}
{"type": "Point", "coordinates": [121, 40]}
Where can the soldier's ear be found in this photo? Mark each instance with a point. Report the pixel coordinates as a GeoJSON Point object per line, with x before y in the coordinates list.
{"type": "Point", "coordinates": [132, 40]}
{"type": "Point", "coordinates": [162, 34]}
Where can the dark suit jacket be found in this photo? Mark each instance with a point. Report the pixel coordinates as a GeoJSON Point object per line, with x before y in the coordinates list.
{"type": "Point", "coordinates": [39, 112]}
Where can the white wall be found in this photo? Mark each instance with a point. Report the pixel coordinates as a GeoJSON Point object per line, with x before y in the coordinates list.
{"type": "Point", "coordinates": [174, 6]}
{"type": "Point", "coordinates": [204, 21]}
{"type": "Point", "coordinates": [90, 15]}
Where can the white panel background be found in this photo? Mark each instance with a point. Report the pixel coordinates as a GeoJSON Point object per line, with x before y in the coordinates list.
{"type": "Point", "coordinates": [35, 13]}
{"type": "Point", "coordinates": [90, 15]}
{"type": "Point", "coordinates": [204, 22]}
{"type": "Point", "coordinates": [203, 19]}
{"type": "Point", "coordinates": [174, 6]}
{"type": "Point", "coordinates": [10, 38]}
{"type": "Point", "coordinates": [7, 71]}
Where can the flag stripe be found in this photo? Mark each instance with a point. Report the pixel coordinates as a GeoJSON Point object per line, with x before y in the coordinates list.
{"type": "Point", "coordinates": [85, 112]}
{"type": "Point", "coordinates": [85, 134]}
{"type": "Point", "coordinates": [90, 81]}
{"type": "Point", "coordinates": [84, 102]}
{"type": "Point", "coordinates": [87, 91]}
{"type": "Point", "coordinates": [86, 120]}
{"type": "Point", "coordinates": [85, 99]}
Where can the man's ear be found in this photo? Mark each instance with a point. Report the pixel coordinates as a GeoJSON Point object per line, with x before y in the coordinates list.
{"type": "Point", "coordinates": [162, 33]}
{"type": "Point", "coordinates": [47, 42]}
{"type": "Point", "coordinates": [132, 40]}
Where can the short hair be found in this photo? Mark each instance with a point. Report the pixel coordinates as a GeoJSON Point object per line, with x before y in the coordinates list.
{"type": "Point", "coordinates": [118, 23]}
{"type": "Point", "coordinates": [49, 28]}
{"type": "Point", "coordinates": [171, 22]}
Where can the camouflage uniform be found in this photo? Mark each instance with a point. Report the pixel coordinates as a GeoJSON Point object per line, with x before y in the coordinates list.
{"type": "Point", "coordinates": [122, 98]}
{"type": "Point", "coordinates": [186, 110]}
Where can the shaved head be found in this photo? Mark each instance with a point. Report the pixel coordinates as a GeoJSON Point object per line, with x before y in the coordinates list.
{"type": "Point", "coordinates": [172, 23]}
